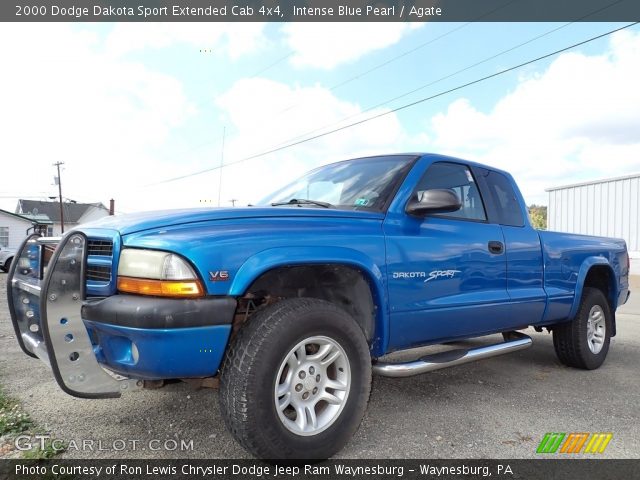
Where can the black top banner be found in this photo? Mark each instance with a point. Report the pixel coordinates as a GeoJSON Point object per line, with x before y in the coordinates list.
{"type": "Point", "coordinates": [319, 10]}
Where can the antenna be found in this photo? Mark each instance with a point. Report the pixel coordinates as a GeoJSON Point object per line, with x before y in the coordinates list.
{"type": "Point", "coordinates": [224, 129]}
{"type": "Point", "coordinates": [59, 182]}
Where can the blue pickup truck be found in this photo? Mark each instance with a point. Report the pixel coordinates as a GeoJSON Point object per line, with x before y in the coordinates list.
{"type": "Point", "coordinates": [294, 302]}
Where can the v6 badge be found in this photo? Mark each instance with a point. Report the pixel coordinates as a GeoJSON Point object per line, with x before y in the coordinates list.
{"type": "Point", "coordinates": [219, 276]}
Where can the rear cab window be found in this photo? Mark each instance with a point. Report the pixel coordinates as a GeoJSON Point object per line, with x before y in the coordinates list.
{"type": "Point", "coordinates": [507, 207]}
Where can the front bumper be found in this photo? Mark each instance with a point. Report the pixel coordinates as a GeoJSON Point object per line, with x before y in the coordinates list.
{"type": "Point", "coordinates": [159, 338]}
{"type": "Point", "coordinates": [101, 347]}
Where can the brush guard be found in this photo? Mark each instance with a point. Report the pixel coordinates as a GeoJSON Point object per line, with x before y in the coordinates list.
{"type": "Point", "coordinates": [46, 290]}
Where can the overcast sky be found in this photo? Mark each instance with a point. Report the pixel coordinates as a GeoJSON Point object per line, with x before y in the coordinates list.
{"type": "Point", "coordinates": [129, 106]}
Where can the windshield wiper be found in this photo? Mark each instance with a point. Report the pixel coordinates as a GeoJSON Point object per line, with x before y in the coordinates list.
{"type": "Point", "coordinates": [303, 201]}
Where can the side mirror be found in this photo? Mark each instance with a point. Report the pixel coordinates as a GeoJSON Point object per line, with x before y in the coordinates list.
{"type": "Point", "coordinates": [438, 200]}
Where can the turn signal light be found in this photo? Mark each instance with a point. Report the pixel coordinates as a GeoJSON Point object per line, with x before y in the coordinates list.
{"type": "Point", "coordinates": [160, 288]}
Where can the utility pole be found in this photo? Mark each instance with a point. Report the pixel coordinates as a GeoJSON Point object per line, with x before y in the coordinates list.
{"type": "Point", "coordinates": [59, 182]}
{"type": "Point", "coordinates": [233, 202]}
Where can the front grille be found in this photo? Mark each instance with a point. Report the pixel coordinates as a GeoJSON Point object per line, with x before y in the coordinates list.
{"type": "Point", "coordinates": [98, 273]}
{"type": "Point", "coordinates": [100, 247]}
{"type": "Point", "coordinates": [102, 251]}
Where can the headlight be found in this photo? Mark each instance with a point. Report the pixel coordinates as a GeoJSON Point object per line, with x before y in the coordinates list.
{"type": "Point", "coordinates": [152, 272]}
{"type": "Point", "coordinates": [154, 264]}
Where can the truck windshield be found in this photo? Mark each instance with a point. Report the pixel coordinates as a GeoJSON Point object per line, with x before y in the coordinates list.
{"type": "Point", "coordinates": [362, 183]}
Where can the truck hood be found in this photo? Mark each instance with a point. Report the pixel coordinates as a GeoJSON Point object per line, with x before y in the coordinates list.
{"type": "Point", "coordinates": [138, 222]}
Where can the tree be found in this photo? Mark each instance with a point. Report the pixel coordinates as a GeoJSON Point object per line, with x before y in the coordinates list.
{"type": "Point", "coordinates": [538, 216]}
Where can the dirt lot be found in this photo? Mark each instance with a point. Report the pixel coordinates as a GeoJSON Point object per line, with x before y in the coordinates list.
{"type": "Point", "coordinates": [496, 408]}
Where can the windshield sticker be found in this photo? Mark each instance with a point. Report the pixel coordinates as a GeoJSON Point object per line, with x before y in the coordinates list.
{"type": "Point", "coordinates": [361, 202]}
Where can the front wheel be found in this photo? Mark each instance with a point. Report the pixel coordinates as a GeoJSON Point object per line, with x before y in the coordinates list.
{"type": "Point", "coordinates": [584, 342]}
{"type": "Point", "coordinates": [296, 380]}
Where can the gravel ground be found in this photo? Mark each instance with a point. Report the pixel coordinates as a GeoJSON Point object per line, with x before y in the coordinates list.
{"type": "Point", "coordinates": [495, 408]}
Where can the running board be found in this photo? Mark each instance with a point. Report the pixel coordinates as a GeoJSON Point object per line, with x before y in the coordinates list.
{"type": "Point", "coordinates": [514, 341]}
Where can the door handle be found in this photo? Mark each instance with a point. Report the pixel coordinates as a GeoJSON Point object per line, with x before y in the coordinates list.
{"type": "Point", "coordinates": [496, 247]}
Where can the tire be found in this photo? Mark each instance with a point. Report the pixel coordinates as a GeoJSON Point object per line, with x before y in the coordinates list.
{"type": "Point", "coordinates": [263, 366]}
{"type": "Point", "coordinates": [7, 265]}
{"type": "Point", "coordinates": [584, 342]}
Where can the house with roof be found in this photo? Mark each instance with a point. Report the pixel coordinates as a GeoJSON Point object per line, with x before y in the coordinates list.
{"type": "Point", "coordinates": [74, 213]}
{"type": "Point", "coordinates": [14, 228]}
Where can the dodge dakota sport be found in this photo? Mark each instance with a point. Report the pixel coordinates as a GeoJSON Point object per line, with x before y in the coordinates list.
{"type": "Point", "coordinates": [293, 303]}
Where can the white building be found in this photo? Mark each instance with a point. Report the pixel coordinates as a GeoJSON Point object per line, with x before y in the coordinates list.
{"type": "Point", "coordinates": [608, 207]}
{"type": "Point", "coordinates": [74, 213]}
{"type": "Point", "coordinates": [14, 228]}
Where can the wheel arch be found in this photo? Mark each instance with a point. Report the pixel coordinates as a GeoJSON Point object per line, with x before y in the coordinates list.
{"type": "Point", "coordinates": [596, 272]}
{"type": "Point", "coordinates": [340, 275]}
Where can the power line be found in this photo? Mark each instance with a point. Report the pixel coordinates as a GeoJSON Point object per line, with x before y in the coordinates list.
{"type": "Point", "coordinates": [271, 65]}
{"type": "Point", "coordinates": [392, 99]}
{"type": "Point", "coordinates": [422, 87]}
{"type": "Point", "coordinates": [303, 135]}
{"type": "Point", "coordinates": [418, 47]}
{"type": "Point", "coordinates": [404, 54]}
{"type": "Point", "coordinates": [27, 196]}
{"type": "Point", "coordinates": [259, 72]}
{"type": "Point", "coordinates": [403, 107]}
{"type": "Point", "coordinates": [389, 61]}
{"type": "Point", "coordinates": [359, 75]}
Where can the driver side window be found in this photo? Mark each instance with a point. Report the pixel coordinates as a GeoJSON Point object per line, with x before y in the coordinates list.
{"type": "Point", "coordinates": [459, 179]}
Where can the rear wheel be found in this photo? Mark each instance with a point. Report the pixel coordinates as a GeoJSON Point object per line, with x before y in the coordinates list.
{"type": "Point", "coordinates": [584, 342]}
{"type": "Point", "coordinates": [296, 380]}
